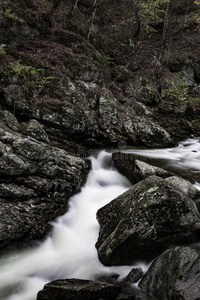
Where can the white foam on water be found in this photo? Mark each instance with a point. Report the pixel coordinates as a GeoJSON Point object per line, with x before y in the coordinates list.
{"type": "Point", "coordinates": [186, 150]}
{"type": "Point", "coordinates": [186, 156]}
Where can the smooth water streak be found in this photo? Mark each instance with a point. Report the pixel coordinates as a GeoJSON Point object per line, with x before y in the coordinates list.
{"type": "Point", "coordinates": [183, 160]}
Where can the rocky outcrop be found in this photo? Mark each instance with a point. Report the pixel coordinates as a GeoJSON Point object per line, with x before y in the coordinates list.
{"type": "Point", "coordinates": [98, 119]}
{"type": "Point", "coordinates": [75, 289]}
{"type": "Point", "coordinates": [36, 181]}
{"type": "Point", "coordinates": [144, 221]}
{"type": "Point", "coordinates": [174, 275]}
{"type": "Point", "coordinates": [35, 130]}
{"type": "Point", "coordinates": [134, 169]}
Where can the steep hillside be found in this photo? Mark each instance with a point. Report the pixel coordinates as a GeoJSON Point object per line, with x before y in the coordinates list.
{"type": "Point", "coordinates": [99, 72]}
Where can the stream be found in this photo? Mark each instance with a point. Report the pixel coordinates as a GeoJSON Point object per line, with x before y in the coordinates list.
{"type": "Point", "coordinates": [69, 250]}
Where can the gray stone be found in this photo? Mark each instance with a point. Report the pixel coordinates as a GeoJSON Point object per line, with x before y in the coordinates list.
{"type": "Point", "coordinates": [188, 76]}
{"type": "Point", "coordinates": [12, 165]}
{"type": "Point", "coordinates": [38, 184]}
{"type": "Point", "coordinates": [31, 149]}
{"type": "Point", "coordinates": [15, 192]}
{"type": "Point", "coordinates": [150, 133]}
{"type": "Point", "coordinates": [185, 186]}
{"type": "Point", "coordinates": [136, 170]}
{"type": "Point", "coordinates": [141, 109]}
{"type": "Point", "coordinates": [76, 289]}
{"type": "Point", "coordinates": [144, 221]}
{"type": "Point", "coordinates": [14, 97]}
{"type": "Point", "coordinates": [174, 275]}
{"type": "Point", "coordinates": [36, 130]}
{"type": "Point", "coordinates": [133, 276]}
{"type": "Point", "coordinates": [10, 120]}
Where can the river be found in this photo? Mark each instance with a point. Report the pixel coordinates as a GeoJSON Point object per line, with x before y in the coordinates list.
{"type": "Point", "coordinates": [69, 250]}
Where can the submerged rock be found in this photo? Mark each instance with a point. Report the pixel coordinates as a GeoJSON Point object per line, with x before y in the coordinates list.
{"type": "Point", "coordinates": [174, 275]}
{"type": "Point", "coordinates": [144, 221]}
{"type": "Point", "coordinates": [76, 289]}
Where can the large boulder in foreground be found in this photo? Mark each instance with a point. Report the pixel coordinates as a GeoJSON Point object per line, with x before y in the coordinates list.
{"type": "Point", "coordinates": [174, 275]}
{"type": "Point", "coordinates": [144, 221]}
{"type": "Point", "coordinates": [36, 181]}
{"type": "Point", "coordinates": [76, 289]}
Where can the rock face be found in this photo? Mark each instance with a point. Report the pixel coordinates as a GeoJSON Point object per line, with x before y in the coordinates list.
{"type": "Point", "coordinates": [94, 119]}
{"type": "Point", "coordinates": [36, 130]}
{"type": "Point", "coordinates": [174, 275]}
{"type": "Point", "coordinates": [136, 170]}
{"type": "Point", "coordinates": [36, 181]}
{"type": "Point", "coordinates": [144, 221]}
{"type": "Point", "coordinates": [76, 289]}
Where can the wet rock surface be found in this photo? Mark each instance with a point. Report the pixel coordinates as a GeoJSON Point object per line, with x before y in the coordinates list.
{"type": "Point", "coordinates": [36, 181]}
{"type": "Point", "coordinates": [174, 275]}
{"type": "Point", "coordinates": [144, 221]}
{"type": "Point", "coordinates": [134, 169]}
{"type": "Point", "coordinates": [132, 293]}
{"type": "Point", "coordinates": [75, 289]}
{"type": "Point", "coordinates": [185, 186]}
{"type": "Point", "coordinates": [134, 276]}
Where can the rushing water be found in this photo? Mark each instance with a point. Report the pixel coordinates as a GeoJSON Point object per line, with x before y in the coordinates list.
{"type": "Point", "coordinates": [69, 251]}
{"type": "Point", "coordinates": [182, 160]}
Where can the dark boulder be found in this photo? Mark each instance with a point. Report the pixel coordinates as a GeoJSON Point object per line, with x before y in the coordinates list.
{"type": "Point", "coordinates": [130, 292]}
{"type": "Point", "coordinates": [174, 275]}
{"type": "Point", "coordinates": [144, 221]}
{"type": "Point", "coordinates": [134, 275]}
{"type": "Point", "coordinates": [134, 169]}
{"type": "Point", "coordinates": [36, 181]}
{"type": "Point", "coordinates": [76, 289]}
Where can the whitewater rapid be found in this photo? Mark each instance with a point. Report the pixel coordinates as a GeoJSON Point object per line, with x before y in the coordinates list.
{"type": "Point", "coordinates": [69, 250]}
{"type": "Point", "coordinates": [183, 160]}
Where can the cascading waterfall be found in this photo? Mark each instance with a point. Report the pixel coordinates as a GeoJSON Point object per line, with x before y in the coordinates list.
{"type": "Point", "coordinates": [69, 251]}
